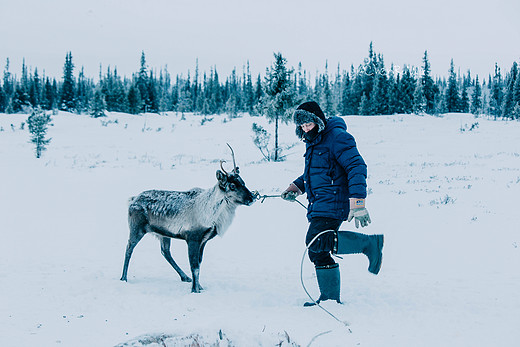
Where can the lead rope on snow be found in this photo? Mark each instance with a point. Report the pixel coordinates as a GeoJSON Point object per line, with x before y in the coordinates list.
{"type": "Point", "coordinates": [344, 323]}
{"type": "Point", "coordinates": [305, 288]}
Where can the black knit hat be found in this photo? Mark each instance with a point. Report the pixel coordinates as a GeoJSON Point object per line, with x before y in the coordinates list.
{"type": "Point", "coordinates": [309, 112]}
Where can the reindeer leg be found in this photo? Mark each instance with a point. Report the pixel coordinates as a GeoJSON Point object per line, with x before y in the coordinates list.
{"type": "Point", "coordinates": [194, 256]}
{"type": "Point", "coordinates": [165, 250]}
{"type": "Point", "coordinates": [137, 231]}
{"type": "Point", "coordinates": [201, 251]}
{"type": "Point", "coordinates": [210, 233]}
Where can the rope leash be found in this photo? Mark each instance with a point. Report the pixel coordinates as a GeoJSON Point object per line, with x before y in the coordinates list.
{"type": "Point", "coordinates": [262, 198]}
{"type": "Point", "coordinates": [344, 323]}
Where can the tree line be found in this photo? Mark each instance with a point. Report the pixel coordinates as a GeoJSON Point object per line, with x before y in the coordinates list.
{"type": "Point", "coordinates": [371, 88]}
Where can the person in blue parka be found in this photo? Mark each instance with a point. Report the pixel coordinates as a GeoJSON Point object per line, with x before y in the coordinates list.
{"type": "Point", "coordinates": [334, 180]}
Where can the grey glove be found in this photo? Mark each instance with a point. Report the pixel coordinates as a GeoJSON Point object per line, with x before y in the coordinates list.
{"type": "Point", "coordinates": [289, 195]}
{"type": "Point", "coordinates": [360, 215]}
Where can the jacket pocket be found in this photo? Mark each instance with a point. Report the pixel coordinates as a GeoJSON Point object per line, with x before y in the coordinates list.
{"type": "Point", "coordinates": [321, 160]}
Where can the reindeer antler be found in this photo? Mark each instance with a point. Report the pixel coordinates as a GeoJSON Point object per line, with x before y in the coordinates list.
{"type": "Point", "coordinates": [222, 167]}
{"type": "Point", "coordinates": [235, 168]}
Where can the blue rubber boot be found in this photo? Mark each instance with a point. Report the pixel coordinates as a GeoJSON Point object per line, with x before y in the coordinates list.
{"type": "Point", "coordinates": [329, 283]}
{"type": "Point", "coordinates": [349, 242]}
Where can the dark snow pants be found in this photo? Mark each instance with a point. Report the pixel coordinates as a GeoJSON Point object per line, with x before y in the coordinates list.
{"type": "Point", "coordinates": [319, 251]}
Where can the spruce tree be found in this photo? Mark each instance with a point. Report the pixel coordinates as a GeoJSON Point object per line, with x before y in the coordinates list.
{"type": "Point", "coordinates": [515, 114]}
{"type": "Point", "coordinates": [429, 88]}
{"type": "Point", "coordinates": [365, 108]}
{"type": "Point", "coordinates": [419, 99]}
{"type": "Point", "coordinates": [8, 88]}
{"type": "Point", "coordinates": [49, 95]}
{"type": "Point", "coordinates": [174, 94]}
{"type": "Point", "coordinates": [376, 102]}
{"type": "Point", "coordinates": [35, 90]}
{"type": "Point", "coordinates": [509, 102]}
{"type": "Point", "coordinates": [356, 91]}
{"type": "Point", "coordinates": [392, 91]}
{"type": "Point", "coordinates": [163, 86]}
{"type": "Point", "coordinates": [67, 102]}
{"type": "Point", "coordinates": [439, 104]}
{"type": "Point", "coordinates": [142, 84]}
{"type": "Point", "coordinates": [464, 98]}
{"type": "Point", "coordinates": [234, 98]}
{"type": "Point", "coordinates": [98, 106]}
{"type": "Point", "coordinates": [303, 88]}
{"type": "Point", "coordinates": [8, 80]}
{"type": "Point", "coordinates": [476, 98]}
{"type": "Point", "coordinates": [3, 100]}
{"type": "Point", "coordinates": [496, 95]}
{"type": "Point", "coordinates": [83, 93]}
{"type": "Point", "coordinates": [114, 91]}
{"type": "Point", "coordinates": [368, 76]}
{"type": "Point", "coordinates": [135, 102]}
{"type": "Point", "coordinates": [217, 101]}
{"type": "Point", "coordinates": [249, 97]}
{"type": "Point", "coordinates": [452, 93]}
{"type": "Point", "coordinates": [20, 99]}
{"type": "Point", "coordinates": [280, 96]}
{"type": "Point", "coordinates": [379, 96]}
{"type": "Point", "coordinates": [337, 91]}
{"type": "Point", "coordinates": [325, 99]}
{"type": "Point", "coordinates": [195, 89]}
{"type": "Point", "coordinates": [406, 90]}
{"type": "Point", "coordinates": [259, 90]}
{"type": "Point", "coordinates": [516, 89]}
{"type": "Point", "coordinates": [153, 99]}
{"type": "Point", "coordinates": [185, 99]}
{"type": "Point", "coordinates": [344, 108]}
{"type": "Point", "coordinates": [37, 124]}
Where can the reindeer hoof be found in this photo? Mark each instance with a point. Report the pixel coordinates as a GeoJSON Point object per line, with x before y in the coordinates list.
{"type": "Point", "coordinates": [197, 289]}
{"type": "Point", "coordinates": [185, 279]}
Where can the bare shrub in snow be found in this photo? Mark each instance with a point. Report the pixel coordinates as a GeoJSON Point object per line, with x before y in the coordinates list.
{"type": "Point", "coordinates": [261, 140]}
{"type": "Point", "coordinates": [467, 127]}
{"type": "Point", "coordinates": [205, 120]}
{"type": "Point", "coordinates": [443, 201]}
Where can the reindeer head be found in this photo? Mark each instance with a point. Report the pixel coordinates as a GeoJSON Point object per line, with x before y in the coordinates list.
{"type": "Point", "coordinates": [233, 185]}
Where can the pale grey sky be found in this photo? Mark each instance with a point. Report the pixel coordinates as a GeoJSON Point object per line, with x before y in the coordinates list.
{"type": "Point", "coordinates": [227, 33]}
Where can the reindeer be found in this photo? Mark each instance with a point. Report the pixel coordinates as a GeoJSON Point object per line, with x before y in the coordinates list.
{"type": "Point", "coordinates": [195, 216]}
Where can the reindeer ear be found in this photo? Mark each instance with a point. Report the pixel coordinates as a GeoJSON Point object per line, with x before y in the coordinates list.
{"type": "Point", "coordinates": [221, 177]}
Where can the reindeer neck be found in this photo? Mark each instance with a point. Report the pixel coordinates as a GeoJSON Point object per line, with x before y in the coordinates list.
{"type": "Point", "coordinates": [220, 208]}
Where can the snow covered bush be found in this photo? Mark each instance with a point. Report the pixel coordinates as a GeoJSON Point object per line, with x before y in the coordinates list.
{"type": "Point", "coordinates": [261, 140]}
{"type": "Point", "coordinates": [37, 123]}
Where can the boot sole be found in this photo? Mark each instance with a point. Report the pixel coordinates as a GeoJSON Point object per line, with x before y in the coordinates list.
{"type": "Point", "coordinates": [309, 304]}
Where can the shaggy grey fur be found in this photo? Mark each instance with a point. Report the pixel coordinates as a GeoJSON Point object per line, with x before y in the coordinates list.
{"type": "Point", "coordinates": [195, 216]}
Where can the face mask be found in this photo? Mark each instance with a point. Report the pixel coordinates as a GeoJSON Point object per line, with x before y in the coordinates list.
{"type": "Point", "coordinates": [311, 134]}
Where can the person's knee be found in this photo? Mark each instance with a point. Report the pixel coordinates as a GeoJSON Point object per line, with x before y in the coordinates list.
{"type": "Point", "coordinates": [323, 243]}
{"type": "Point", "coordinates": [321, 258]}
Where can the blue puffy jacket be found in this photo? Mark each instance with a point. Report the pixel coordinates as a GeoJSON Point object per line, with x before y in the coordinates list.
{"type": "Point", "coordinates": [334, 172]}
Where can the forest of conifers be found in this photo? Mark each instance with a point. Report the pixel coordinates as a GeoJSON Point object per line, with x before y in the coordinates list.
{"type": "Point", "coordinates": [371, 88]}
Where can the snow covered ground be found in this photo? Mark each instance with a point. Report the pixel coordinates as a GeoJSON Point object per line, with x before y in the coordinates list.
{"type": "Point", "coordinates": [446, 200]}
